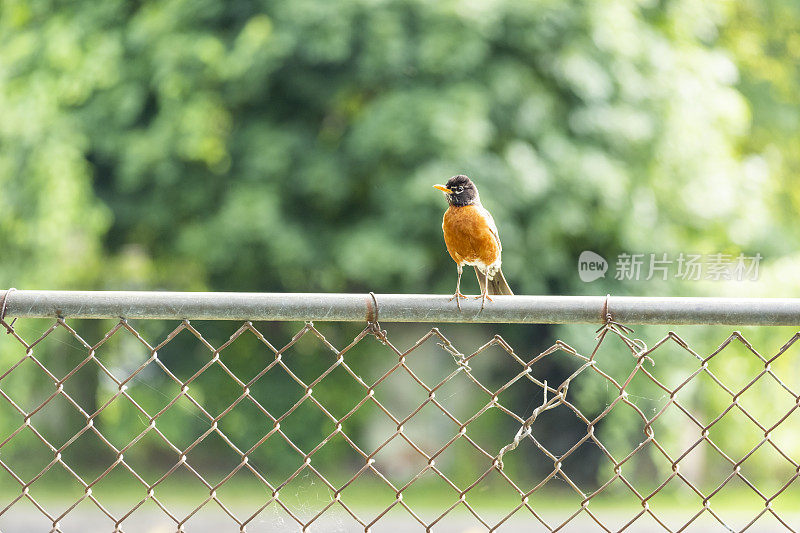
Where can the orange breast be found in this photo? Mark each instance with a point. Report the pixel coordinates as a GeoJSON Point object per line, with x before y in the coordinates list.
{"type": "Point", "coordinates": [468, 236]}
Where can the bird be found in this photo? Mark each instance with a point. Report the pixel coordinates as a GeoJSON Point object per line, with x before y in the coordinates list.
{"type": "Point", "coordinates": [471, 237]}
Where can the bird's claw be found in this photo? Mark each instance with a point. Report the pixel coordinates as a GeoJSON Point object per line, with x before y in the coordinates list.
{"type": "Point", "coordinates": [457, 297]}
{"type": "Point", "coordinates": [483, 298]}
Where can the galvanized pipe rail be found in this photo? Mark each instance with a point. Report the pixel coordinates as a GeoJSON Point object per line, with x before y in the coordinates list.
{"type": "Point", "coordinates": [399, 308]}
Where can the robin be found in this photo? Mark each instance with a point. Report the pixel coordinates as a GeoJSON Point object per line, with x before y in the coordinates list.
{"type": "Point", "coordinates": [470, 235]}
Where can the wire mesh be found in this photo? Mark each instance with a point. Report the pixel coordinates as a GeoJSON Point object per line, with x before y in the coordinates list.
{"type": "Point", "coordinates": [402, 428]}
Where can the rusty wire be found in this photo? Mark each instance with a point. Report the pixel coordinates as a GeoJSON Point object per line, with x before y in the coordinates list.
{"type": "Point", "coordinates": [553, 395]}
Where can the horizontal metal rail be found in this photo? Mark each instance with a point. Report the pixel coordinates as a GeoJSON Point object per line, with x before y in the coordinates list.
{"type": "Point", "coordinates": [399, 308]}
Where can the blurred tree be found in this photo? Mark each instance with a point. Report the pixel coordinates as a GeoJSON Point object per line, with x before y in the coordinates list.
{"type": "Point", "coordinates": [764, 39]}
{"type": "Point", "coordinates": [291, 146]}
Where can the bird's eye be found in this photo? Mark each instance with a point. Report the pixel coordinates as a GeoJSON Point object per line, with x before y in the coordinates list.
{"type": "Point", "coordinates": [460, 189]}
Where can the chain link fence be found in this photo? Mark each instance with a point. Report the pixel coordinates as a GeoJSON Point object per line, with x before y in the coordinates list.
{"type": "Point", "coordinates": [331, 428]}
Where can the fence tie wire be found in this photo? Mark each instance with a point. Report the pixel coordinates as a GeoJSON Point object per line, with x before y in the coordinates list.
{"type": "Point", "coordinates": [608, 321]}
{"type": "Point", "coordinates": [9, 327]}
{"type": "Point", "coordinates": [372, 319]}
{"type": "Point", "coordinates": [637, 346]}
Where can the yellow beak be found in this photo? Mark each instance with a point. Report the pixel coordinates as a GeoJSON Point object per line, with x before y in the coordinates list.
{"type": "Point", "coordinates": [443, 189]}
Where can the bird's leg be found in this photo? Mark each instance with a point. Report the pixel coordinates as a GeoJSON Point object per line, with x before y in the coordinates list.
{"type": "Point", "coordinates": [484, 295]}
{"type": "Point", "coordinates": [457, 296]}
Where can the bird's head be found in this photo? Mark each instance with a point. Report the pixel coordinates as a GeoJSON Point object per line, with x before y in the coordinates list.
{"type": "Point", "coordinates": [460, 191]}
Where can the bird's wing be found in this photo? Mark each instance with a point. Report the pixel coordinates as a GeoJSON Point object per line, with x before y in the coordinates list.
{"type": "Point", "coordinates": [492, 225]}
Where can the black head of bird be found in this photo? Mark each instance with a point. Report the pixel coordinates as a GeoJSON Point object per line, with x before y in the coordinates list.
{"type": "Point", "coordinates": [460, 191]}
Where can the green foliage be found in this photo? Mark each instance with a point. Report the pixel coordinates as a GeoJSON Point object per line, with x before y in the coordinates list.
{"type": "Point", "coordinates": [765, 39]}
{"type": "Point", "coordinates": [240, 146]}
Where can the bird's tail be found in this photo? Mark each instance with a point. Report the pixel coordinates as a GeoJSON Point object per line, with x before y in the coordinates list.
{"type": "Point", "coordinates": [497, 285]}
